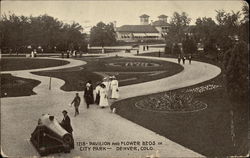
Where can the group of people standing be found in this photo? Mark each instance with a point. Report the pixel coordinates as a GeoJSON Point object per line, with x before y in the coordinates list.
{"type": "Point", "coordinates": [145, 48]}
{"type": "Point", "coordinates": [107, 89]}
{"type": "Point", "coordinates": [33, 53]}
{"type": "Point", "coordinates": [70, 53]}
{"type": "Point", "coordinates": [183, 58]}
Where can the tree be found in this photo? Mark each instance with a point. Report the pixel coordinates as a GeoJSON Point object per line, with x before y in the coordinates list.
{"type": "Point", "coordinates": [102, 35]}
{"type": "Point", "coordinates": [228, 28]}
{"type": "Point", "coordinates": [236, 71]}
{"type": "Point", "coordinates": [236, 85]}
{"type": "Point", "coordinates": [167, 48]}
{"type": "Point", "coordinates": [12, 31]}
{"type": "Point", "coordinates": [205, 29]}
{"type": "Point", "coordinates": [245, 12]}
{"type": "Point", "coordinates": [244, 27]}
{"type": "Point", "coordinates": [189, 45]}
{"type": "Point", "coordinates": [18, 32]}
{"type": "Point", "coordinates": [210, 48]}
{"type": "Point", "coordinates": [178, 24]}
{"type": "Point", "coordinates": [176, 49]}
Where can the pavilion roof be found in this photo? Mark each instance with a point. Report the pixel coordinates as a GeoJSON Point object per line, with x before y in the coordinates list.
{"type": "Point", "coordinates": [137, 29]}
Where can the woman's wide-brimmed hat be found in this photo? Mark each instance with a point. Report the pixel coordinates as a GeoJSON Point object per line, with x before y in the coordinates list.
{"type": "Point", "coordinates": [88, 85]}
{"type": "Point", "coordinates": [64, 111]}
{"type": "Point", "coordinates": [105, 78]}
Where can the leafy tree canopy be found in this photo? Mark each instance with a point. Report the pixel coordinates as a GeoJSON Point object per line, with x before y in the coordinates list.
{"type": "Point", "coordinates": [19, 32]}
{"type": "Point", "coordinates": [102, 35]}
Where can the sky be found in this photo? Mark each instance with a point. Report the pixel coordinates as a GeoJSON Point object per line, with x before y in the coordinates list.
{"type": "Point", "coordinates": [88, 13]}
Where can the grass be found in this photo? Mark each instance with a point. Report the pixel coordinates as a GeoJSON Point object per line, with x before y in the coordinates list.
{"type": "Point", "coordinates": [206, 132]}
{"type": "Point", "coordinates": [74, 77]}
{"type": "Point", "coordinates": [15, 86]}
{"type": "Point", "coordinates": [11, 64]}
{"type": "Point", "coordinates": [74, 80]}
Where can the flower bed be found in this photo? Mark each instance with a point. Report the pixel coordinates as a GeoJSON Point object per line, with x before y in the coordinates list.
{"type": "Point", "coordinates": [204, 88]}
{"type": "Point", "coordinates": [134, 64]}
{"type": "Point", "coordinates": [171, 102]}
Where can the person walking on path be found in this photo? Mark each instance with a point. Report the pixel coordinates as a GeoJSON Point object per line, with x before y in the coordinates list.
{"type": "Point", "coordinates": [68, 53]}
{"type": "Point", "coordinates": [106, 82]}
{"type": "Point", "coordinates": [114, 88]}
{"type": "Point", "coordinates": [76, 102]}
{"type": "Point", "coordinates": [65, 123]}
{"type": "Point", "coordinates": [103, 51]}
{"type": "Point", "coordinates": [103, 97]}
{"type": "Point", "coordinates": [62, 54]}
{"type": "Point", "coordinates": [190, 58]}
{"type": "Point", "coordinates": [32, 54]}
{"type": "Point", "coordinates": [35, 53]}
{"type": "Point", "coordinates": [179, 59]}
{"type": "Point", "coordinates": [76, 54]}
{"type": "Point", "coordinates": [97, 92]}
{"type": "Point", "coordinates": [183, 59]}
{"type": "Point", "coordinates": [88, 94]}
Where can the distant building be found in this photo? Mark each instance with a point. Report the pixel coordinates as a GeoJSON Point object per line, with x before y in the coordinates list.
{"type": "Point", "coordinates": [144, 19]}
{"type": "Point", "coordinates": [145, 31]}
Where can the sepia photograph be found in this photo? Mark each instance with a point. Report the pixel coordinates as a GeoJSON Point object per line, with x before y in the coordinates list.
{"type": "Point", "coordinates": [124, 78]}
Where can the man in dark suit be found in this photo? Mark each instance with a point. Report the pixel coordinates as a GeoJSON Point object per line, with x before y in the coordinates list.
{"type": "Point", "coordinates": [66, 122]}
{"type": "Point", "coordinates": [76, 103]}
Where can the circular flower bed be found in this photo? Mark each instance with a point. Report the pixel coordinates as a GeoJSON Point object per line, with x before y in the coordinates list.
{"type": "Point", "coordinates": [135, 64]}
{"type": "Point", "coordinates": [171, 102]}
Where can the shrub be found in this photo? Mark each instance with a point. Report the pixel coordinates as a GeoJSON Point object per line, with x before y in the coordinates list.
{"type": "Point", "coordinates": [189, 46]}
{"type": "Point", "coordinates": [176, 49]}
{"type": "Point", "coordinates": [236, 71]}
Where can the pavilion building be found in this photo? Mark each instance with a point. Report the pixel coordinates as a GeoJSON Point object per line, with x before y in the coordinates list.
{"type": "Point", "coordinates": [156, 30]}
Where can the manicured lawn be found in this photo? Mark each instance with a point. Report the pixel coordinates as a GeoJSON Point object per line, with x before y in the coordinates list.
{"type": "Point", "coordinates": [74, 77]}
{"type": "Point", "coordinates": [11, 64]}
{"type": "Point", "coordinates": [15, 86]}
{"type": "Point", "coordinates": [74, 80]}
{"type": "Point", "coordinates": [207, 131]}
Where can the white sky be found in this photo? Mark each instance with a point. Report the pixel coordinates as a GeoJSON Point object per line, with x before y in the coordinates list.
{"type": "Point", "coordinates": [88, 13]}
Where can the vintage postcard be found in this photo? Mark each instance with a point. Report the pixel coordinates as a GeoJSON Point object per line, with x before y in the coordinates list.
{"type": "Point", "coordinates": [124, 79]}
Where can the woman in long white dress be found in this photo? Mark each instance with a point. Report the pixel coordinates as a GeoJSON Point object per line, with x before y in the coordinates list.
{"type": "Point", "coordinates": [106, 81]}
{"type": "Point", "coordinates": [103, 97]}
{"type": "Point", "coordinates": [114, 88]}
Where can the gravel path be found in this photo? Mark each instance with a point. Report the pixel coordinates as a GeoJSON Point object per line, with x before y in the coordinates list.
{"type": "Point", "coordinates": [19, 115]}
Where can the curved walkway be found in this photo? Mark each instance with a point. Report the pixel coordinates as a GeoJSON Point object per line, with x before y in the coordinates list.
{"type": "Point", "coordinates": [43, 87]}
{"type": "Point", "coordinates": [19, 115]}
